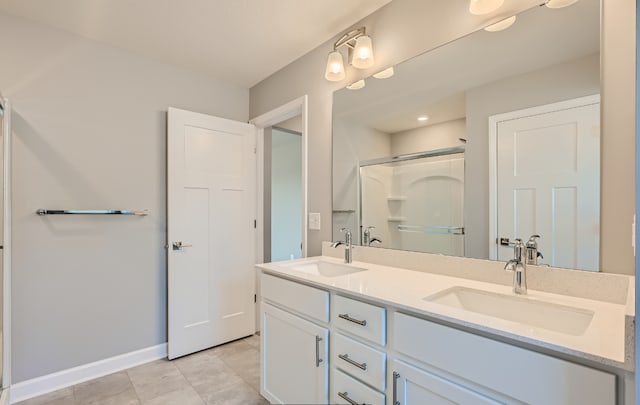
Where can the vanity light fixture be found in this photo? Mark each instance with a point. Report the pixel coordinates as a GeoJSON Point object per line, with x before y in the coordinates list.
{"type": "Point", "coordinates": [501, 25]}
{"type": "Point", "coordinates": [560, 3]}
{"type": "Point", "coordinates": [480, 7]}
{"type": "Point", "coordinates": [360, 54]}
{"type": "Point", "coordinates": [384, 74]}
{"type": "Point", "coordinates": [423, 118]}
{"type": "Point", "coordinates": [356, 85]}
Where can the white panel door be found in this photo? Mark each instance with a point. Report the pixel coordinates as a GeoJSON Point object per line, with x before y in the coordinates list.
{"type": "Point", "coordinates": [548, 183]}
{"type": "Point", "coordinates": [211, 207]}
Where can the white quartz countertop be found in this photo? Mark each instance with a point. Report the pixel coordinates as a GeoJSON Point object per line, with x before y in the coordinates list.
{"type": "Point", "coordinates": [606, 339]}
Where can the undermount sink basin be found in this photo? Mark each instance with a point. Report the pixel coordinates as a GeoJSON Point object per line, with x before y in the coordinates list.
{"type": "Point", "coordinates": [545, 315]}
{"type": "Point", "coordinates": [325, 269]}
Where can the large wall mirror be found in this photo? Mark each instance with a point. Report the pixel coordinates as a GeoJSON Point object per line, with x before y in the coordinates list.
{"type": "Point", "coordinates": [491, 137]}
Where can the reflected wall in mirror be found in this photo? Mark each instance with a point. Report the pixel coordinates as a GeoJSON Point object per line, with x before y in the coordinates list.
{"type": "Point", "coordinates": [548, 56]}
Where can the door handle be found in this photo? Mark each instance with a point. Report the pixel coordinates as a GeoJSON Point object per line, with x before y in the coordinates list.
{"type": "Point", "coordinates": [318, 359]}
{"type": "Point", "coordinates": [345, 357]}
{"type": "Point", "coordinates": [395, 401]}
{"type": "Point", "coordinates": [354, 320]}
{"type": "Point", "coordinates": [179, 245]}
{"type": "Point", "coordinates": [345, 396]}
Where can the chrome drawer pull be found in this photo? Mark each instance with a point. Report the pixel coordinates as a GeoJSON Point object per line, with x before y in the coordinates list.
{"type": "Point", "coordinates": [318, 359]}
{"type": "Point", "coordinates": [396, 375]}
{"type": "Point", "coordinates": [345, 396]}
{"type": "Point", "coordinates": [361, 366]}
{"type": "Point", "coordinates": [350, 319]}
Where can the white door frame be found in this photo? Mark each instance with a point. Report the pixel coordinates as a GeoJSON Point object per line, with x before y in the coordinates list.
{"type": "Point", "coordinates": [6, 237]}
{"type": "Point", "coordinates": [494, 120]}
{"type": "Point", "coordinates": [289, 110]}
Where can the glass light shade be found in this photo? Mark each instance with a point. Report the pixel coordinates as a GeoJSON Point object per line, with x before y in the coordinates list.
{"type": "Point", "coordinates": [560, 3]}
{"type": "Point", "coordinates": [356, 85]}
{"type": "Point", "coordinates": [479, 7]}
{"type": "Point", "coordinates": [335, 67]}
{"type": "Point", "coordinates": [501, 25]}
{"type": "Point", "coordinates": [385, 74]}
{"type": "Point", "coordinates": [362, 53]}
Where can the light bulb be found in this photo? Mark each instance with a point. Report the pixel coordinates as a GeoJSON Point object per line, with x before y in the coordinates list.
{"type": "Point", "coordinates": [335, 67]}
{"type": "Point", "coordinates": [384, 74]}
{"type": "Point", "coordinates": [479, 7]}
{"type": "Point", "coordinates": [560, 3]}
{"type": "Point", "coordinates": [362, 53]}
{"type": "Point", "coordinates": [501, 25]}
{"type": "Point", "coordinates": [356, 85]}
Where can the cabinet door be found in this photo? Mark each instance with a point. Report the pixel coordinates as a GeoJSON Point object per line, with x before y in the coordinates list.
{"type": "Point", "coordinates": [293, 359]}
{"type": "Point", "coordinates": [413, 386]}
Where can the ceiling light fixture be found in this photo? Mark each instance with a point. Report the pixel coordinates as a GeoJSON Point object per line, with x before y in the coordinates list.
{"type": "Point", "coordinates": [560, 3]}
{"type": "Point", "coordinates": [356, 85]}
{"type": "Point", "coordinates": [385, 74]}
{"type": "Point", "coordinates": [423, 118]}
{"type": "Point", "coordinates": [480, 7]}
{"type": "Point", "coordinates": [501, 25]}
{"type": "Point", "coordinates": [360, 54]}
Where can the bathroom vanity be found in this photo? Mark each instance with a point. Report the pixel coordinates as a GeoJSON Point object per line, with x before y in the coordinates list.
{"type": "Point", "coordinates": [434, 329]}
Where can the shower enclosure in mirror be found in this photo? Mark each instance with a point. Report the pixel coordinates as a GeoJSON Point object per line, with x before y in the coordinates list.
{"type": "Point", "coordinates": [414, 202]}
{"type": "Point", "coordinates": [460, 89]}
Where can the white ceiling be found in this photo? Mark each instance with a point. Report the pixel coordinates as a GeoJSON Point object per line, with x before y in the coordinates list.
{"type": "Point", "coordinates": [241, 41]}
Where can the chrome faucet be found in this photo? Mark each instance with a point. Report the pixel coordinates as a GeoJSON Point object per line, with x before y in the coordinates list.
{"type": "Point", "coordinates": [519, 267]}
{"type": "Point", "coordinates": [532, 250]}
{"type": "Point", "coordinates": [346, 243]}
{"type": "Point", "coordinates": [367, 240]}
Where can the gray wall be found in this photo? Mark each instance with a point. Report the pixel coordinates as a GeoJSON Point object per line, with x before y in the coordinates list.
{"type": "Point", "coordinates": [89, 132]}
{"type": "Point", "coordinates": [405, 28]}
{"type": "Point", "coordinates": [286, 195]}
{"type": "Point", "coordinates": [437, 136]}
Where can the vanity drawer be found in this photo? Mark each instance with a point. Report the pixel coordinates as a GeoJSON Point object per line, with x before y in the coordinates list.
{"type": "Point", "coordinates": [516, 372]}
{"type": "Point", "coordinates": [359, 360]}
{"type": "Point", "coordinates": [345, 386]}
{"type": "Point", "coordinates": [359, 318]}
{"type": "Point", "coordinates": [298, 297]}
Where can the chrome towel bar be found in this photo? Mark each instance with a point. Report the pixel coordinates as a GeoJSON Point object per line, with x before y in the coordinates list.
{"type": "Point", "coordinates": [43, 211]}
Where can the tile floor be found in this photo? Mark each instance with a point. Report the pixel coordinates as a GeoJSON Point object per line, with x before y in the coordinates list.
{"type": "Point", "coordinates": [225, 375]}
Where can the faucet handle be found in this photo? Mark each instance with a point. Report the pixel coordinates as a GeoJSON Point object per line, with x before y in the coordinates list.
{"type": "Point", "coordinates": [518, 249]}
{"type": "Point", "coordinates": [532, 242]}
{"type": "Point", "coordinates": [347, 236]}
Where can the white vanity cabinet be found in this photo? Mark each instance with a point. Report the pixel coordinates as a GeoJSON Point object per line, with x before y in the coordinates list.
{"type": "Point", "coordinates": [294, 343]}
{"type": "Point", "coordinates": [358, 357]}
{"type": "Point", "coordinates": [381, 355]}
{"type": "Point", "coordinates": [414, 386]}
{"type": "Point", "coordinates": [500, 370]}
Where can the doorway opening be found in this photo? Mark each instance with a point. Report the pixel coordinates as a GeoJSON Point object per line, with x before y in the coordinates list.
{"type": "Point", "coordinates": [283, 191]}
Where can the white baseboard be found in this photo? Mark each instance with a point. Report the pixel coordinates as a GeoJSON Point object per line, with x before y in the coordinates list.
{"type": "Point", "coordinates": [66, 378]}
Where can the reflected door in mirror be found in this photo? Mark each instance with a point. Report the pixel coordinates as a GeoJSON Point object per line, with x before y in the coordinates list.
{"type": "Point", "coordinates": [548, 181]}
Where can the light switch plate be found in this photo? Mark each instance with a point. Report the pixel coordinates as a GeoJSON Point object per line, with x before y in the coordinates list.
{"type": "Point", "coordinates": [314, 221]}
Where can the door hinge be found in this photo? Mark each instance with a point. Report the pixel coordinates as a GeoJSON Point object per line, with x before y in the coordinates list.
{"type": "Point", "coordinates": [255, 298]}
{"type": "Point", "coordinates": [255, 223]}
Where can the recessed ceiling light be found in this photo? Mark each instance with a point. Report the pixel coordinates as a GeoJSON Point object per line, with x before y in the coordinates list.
{"type": "Point", "coordinates": [501, 25]}
{"type": "Point", "coordinates": [560, 3]}
{"type": "Point", "coordinates": [480, 7]}
{"type": "Point", "coordinates": [385, 74]}
{"type": "Point", "coordinates": [356, 85]}
{"type": "Point", "coordinates": [423, 118]}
